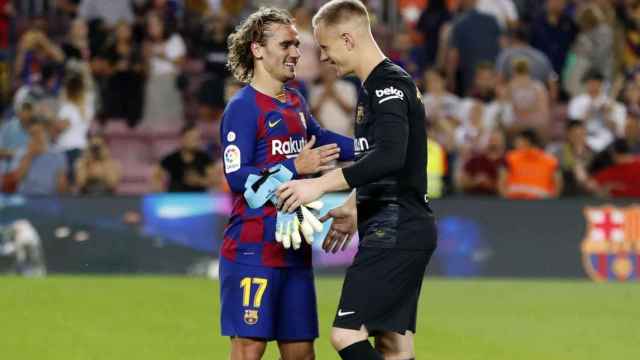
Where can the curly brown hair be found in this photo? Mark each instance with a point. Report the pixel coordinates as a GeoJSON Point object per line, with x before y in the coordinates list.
{"type": "Point", "coordinates": [253, 29]}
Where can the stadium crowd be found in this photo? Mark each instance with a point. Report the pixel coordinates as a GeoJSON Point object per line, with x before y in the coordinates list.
{"type": "Point", "coordinates": [525, 99]}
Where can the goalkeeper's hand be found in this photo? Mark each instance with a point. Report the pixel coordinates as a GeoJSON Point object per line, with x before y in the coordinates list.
{"type": "Point", "coordinates": [303, 220]}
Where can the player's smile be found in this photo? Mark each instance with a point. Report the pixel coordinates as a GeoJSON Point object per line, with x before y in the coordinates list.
{"type": "Point", "coordinates": [291, 64]}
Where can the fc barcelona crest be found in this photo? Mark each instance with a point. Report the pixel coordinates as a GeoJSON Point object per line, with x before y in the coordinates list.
{"type": "Point", "coordinates": [359, 114]}
{"type": "Point", "coordinates": [251, 317]}
{"type": "Point", "coordinates": [611, 247]}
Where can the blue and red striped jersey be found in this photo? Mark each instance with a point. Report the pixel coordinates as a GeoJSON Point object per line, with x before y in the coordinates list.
{"type": "Point", "coordinates": [258, 132]}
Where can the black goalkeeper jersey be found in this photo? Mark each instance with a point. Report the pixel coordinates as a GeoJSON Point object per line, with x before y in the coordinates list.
{"type": "Point", "coordinates": [391, 158]}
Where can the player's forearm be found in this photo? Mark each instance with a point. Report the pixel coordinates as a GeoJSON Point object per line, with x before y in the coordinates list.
{"type": "Point", "coordinates": [332, 181]}
{"type": "Point", "coordinates": [345, 143]}
{"type": "Point", "coordinates": [237, 179]}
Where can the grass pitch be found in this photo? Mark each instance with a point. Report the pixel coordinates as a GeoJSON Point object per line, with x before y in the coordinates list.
{"type": "Point", "coordinates": [158, 318]}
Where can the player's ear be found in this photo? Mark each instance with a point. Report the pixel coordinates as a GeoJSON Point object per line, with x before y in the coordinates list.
{"type": "Point", "coordinates": [348, 40]}
{"type": "Point", "coordinates": [256, 50]}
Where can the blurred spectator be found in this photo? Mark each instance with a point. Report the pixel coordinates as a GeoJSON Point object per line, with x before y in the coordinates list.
{"type": "Point", "coordinates": [215, 51]}
{"type": "Point", "coordinates": [333, 102]}
{"type": "Point", "coordinates": [529, 172]}
{"type": "Point", "coordinates": [436, 168]}
{"type": "Point", "coordinates": [76, 47]}
{"type": "Point", "coordinates": [553, 33]}
{"type": "Point", "coordinates": [504, 11]}
{"type": "Point", "coordinates": [528, 10]}
{"type": "Point", "coordinates": [21, 240]}
{"type": "Point", "coordinates": [487, 106]}
{"type": "Point", "coordinates": [574, 158]}
{"type": "Point", "coordinates": [39, 169]}
{"type": "Point", "coordinates": [603, 117]}
{"type": "Point", "coordinates": [632, 133]}
{"type": "Point", "coordinates": [124, 92]}
{"type": "Point", "coordinates": [631, 97]}
{"type": "Point", "coordinates": [441, 108]}
{"type": "Point", "coordinates": [74, 118]}
{"type": "Point", "coordinates": [168, 10]}
{"type": "Point", "coordinates": [529, 101]}
{"type": "Point", "coordinates": [593, 49]}
{"type": "Point", "coordinates": [473, 127]}
{"type": "Point", "coordinates": [165, 51]}
{"type": "Point", "coordinates": [188, 169]}
{"type": "Point", "coordinates": [44, 91]}
{"type": "Point", "coordinates": [13, 134]}
{"type": "Point", "coordinates": [474, 39]}
{"type": "Point", "coordinates": [219, 181]}
{"type": "Point", "coordinates": [97, 173]}
{"type": "Point", "coordinates": [622, 176]}
{"type": "Point", "coordinates": [478, 170]}
{"type": "Point", "coordinates": [99, 32]}
{"type": "Point", "coordinates": [540, 67]}
{"type": "Point", "coordinates": [110, 11]}
{"type": "Point", "coordinates": [68, 7]}
{"type": "Point", "coordinates": [628, 15]}
{"type": "Point", "coordinates": [430, 25]}
{"type": "Point", "coordinates": [308, 68]}
{"type": "Point", "coordinates": [35, 50]}
{"type": "Point", "coordinates": [6, 14]}
{"type": "Point", "coordinates": [485, 83]}
{"type": "Point", "coordinates": [403, 52]}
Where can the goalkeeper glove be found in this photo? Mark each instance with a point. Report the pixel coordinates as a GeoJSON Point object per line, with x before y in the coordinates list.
{"type": "Point", "coordinates": [260, 189]}
{"type": "Point", "coordinates": [289, 225]}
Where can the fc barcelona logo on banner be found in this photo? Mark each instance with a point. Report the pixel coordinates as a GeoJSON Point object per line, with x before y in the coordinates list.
{"type": "Point", "coordinates": [611, 247]}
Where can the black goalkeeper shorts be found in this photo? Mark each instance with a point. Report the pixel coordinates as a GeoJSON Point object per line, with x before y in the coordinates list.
{"type": "Point", "coordinates": [381, 290]}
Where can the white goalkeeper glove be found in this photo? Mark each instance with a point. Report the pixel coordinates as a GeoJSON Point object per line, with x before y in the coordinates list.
{"type": "Point", "coordinates": [289, 225]}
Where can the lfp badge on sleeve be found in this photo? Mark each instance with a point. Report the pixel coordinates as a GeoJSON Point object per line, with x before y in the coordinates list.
{"type": "Point", "coordinates": [611, 247]}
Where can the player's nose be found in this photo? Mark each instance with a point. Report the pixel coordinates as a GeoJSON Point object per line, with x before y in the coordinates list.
{"type": "Point", "coordinates": [295, 52]}
{"type": "Point", "coordinates": [323, 56]}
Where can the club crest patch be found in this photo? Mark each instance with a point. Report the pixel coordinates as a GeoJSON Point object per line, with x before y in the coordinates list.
{"type": "Point", "coordinates": [251, 317]}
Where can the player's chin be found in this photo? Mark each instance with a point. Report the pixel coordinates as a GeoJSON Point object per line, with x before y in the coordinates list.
{"type": "Point", "coordinates": [290, 75]}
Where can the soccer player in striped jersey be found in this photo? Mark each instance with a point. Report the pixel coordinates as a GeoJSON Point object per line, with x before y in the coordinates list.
{"type": "Point", "coordinates": [267, 291]}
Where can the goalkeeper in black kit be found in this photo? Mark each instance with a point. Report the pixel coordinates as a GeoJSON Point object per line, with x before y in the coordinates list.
{"type": "Point", "coordinates": [395, 223]}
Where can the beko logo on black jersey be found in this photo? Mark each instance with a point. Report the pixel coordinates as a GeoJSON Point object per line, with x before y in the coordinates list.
{"type": "Point", "coordinates": [389, 93]}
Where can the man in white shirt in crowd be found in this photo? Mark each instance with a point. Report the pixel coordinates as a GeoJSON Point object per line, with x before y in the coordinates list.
{"type": "Point", "coordinates": [604, 118]}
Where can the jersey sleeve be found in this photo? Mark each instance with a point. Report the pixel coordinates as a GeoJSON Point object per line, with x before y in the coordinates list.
{"type": "Point", "coordinates": [238, 131]}
{"type": "Point", "coordinates": [390, 112]}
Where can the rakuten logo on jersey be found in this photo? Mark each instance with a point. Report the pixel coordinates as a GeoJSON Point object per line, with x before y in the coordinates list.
{"type": "Point", "coordinates": [389, 93]}
{"type": "Point", "coordinates": [289, 148]}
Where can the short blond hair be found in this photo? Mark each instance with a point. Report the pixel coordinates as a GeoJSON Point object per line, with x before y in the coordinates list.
{"type": "Point", "coordinates": [339, 11]}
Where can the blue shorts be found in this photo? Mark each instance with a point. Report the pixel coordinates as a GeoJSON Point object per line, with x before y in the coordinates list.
{"type": "Point", "coordinates": [267, 303]}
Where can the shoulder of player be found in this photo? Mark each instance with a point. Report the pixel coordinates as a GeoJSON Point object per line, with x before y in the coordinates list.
{"type": "Point", "coordinates": [243, 99]}
{"type": "Point", "coordinates": [391, 86]}
{"type": "Point", "coordinates": [242, 107]}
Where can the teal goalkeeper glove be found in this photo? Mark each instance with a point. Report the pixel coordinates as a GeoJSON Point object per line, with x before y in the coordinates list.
{"type": "Point", "coordinates": [262, 188]}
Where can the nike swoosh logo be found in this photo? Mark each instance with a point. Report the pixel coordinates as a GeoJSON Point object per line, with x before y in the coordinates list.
{"type": "Point", "coordinates": [345, 313]}
{"type": "Point", "coordinates": [273, 124]}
